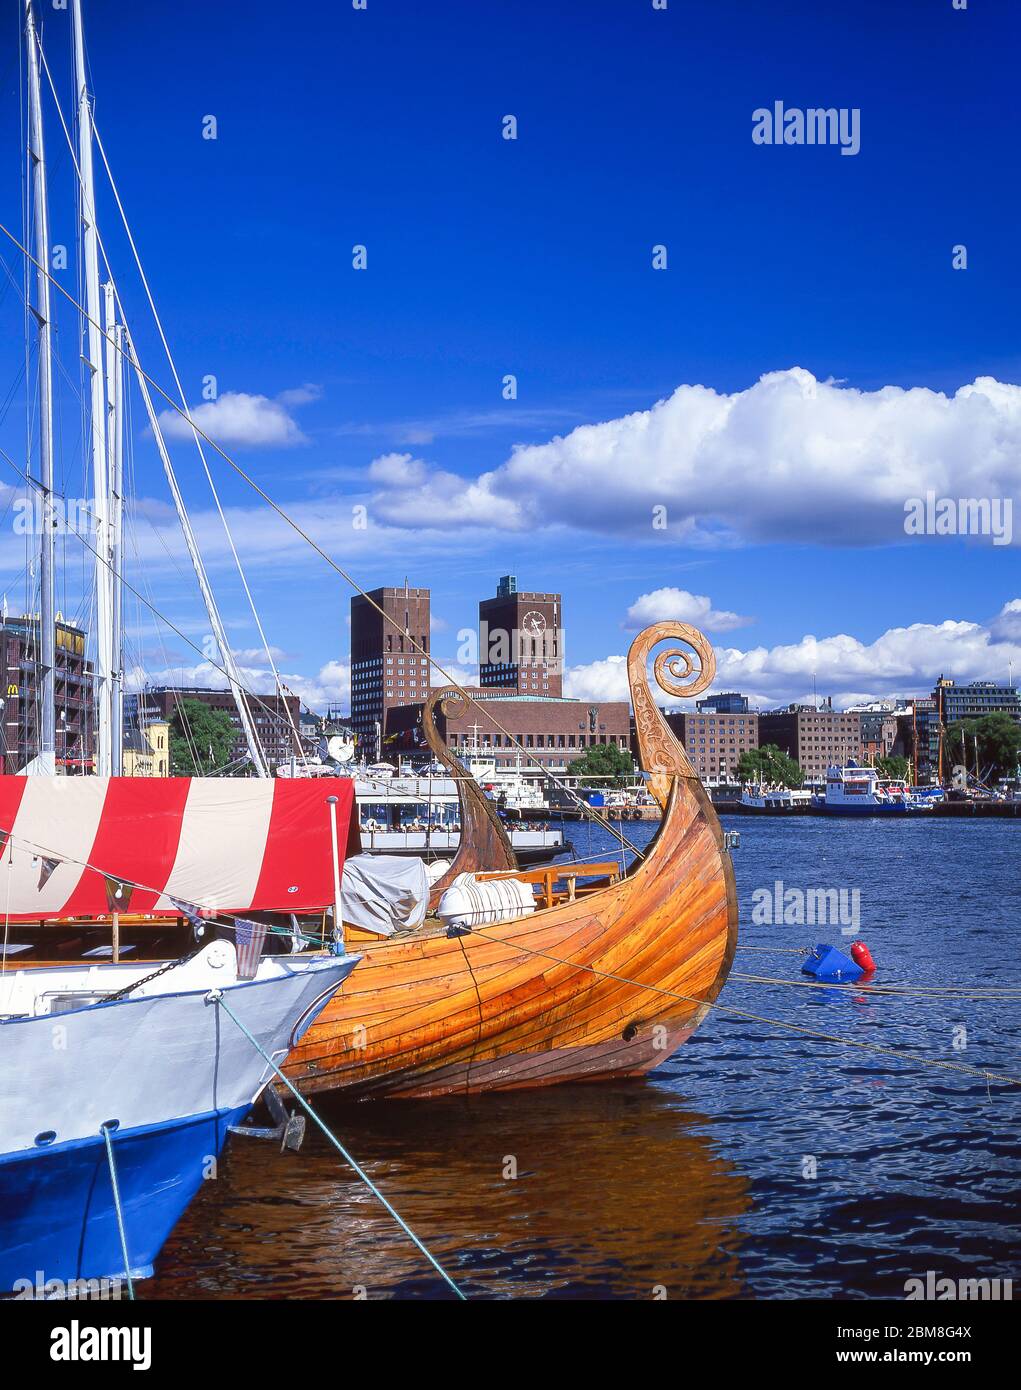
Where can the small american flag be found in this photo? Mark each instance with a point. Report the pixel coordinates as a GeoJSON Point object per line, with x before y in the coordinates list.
{"type": "Point", "coordinates": [249, 938]}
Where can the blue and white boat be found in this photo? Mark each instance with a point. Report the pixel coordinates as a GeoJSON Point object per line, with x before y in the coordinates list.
{"type": "Point", "coordinates": [861, 791]}
{"type": "Point", "coordinates": [161, 1070]}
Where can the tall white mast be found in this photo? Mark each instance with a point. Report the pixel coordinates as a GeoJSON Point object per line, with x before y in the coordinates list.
{"type": "Point", "coordinates": [94, 361]}
{"type": "Point", "coordinates": [46, 761]}
{"type": "Point", "coordinates": [115, 450]}
{"type": "Point", "coordinates": [219, 631]}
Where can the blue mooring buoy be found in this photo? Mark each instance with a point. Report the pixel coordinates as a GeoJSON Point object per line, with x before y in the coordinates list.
{"type": "Point", "coordinates": [831, 966]}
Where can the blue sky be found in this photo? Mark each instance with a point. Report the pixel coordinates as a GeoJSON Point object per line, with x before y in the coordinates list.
{"type": "Point", "coordinates": [532, 257]}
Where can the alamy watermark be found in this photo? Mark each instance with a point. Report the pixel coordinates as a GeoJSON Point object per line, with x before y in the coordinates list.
{"type": "Point", "coordinates": [800, 907]}
{"type": "Point", "coordinates": [934, 1289]}
{"type": "Point", "coordinates": [42, 1288]}
{"type": "Point", "coordinates": [960, 516]}
{"type": "Point", "coordinates": [68, 515]}
{"type": "Point", "coordinates": [815, 125]}
{"type": "Point", "coordinates": [536, 642]}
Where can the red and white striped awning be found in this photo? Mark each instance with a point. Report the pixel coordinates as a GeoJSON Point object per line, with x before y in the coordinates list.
{"type": "Point", "coordinates": [229, 845]}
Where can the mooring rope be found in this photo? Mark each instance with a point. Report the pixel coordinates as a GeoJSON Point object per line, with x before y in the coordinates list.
{"type": "Point", "coordinates": [216, 996]}
{"type": "Point", "coordinates": [121, 1230]}
{"type": "Point", "coordinates": [915, 991]}
{"type": "Point", "coordinates": [987, 1076]}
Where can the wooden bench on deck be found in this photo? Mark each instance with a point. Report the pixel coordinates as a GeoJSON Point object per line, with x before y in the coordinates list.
{"type": "Point", "coordinates": [545, 878]}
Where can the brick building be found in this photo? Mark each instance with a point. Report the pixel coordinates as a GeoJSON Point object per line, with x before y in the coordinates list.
{"type": "Point", "coordinates": [713, 741]}
{"type": "Point", "coordinates": [878, 733]}
{"type": "Point", "coordinates": [275, 717]}
{"type": "Point", "coordinates": [386, 668]}
{"type": "Point", "coordinates": [521, 641]}
{"type": "Point", "coordinates": [815, 738]}
{"type": "Point", "coordinates": [19, 716]}
{"type": "Point", "coordinates": [553, 731]}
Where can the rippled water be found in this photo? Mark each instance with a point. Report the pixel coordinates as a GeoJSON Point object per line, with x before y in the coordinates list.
{"type": "Point", "coordinates": [694, 1180]}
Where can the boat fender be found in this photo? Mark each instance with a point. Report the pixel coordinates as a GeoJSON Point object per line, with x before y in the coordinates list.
{"type": "Point", "coordinates": [861, 955]}
{"type": "Point", "coordinates": [471, 903]}
{"type": "Point", "coordinates": [830, 966]}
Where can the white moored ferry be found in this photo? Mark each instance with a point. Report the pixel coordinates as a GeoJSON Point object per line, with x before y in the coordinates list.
{"type": "Point", "coordinates": [762, 797]}
{"type": "Point", "coordinates": [861, 791]}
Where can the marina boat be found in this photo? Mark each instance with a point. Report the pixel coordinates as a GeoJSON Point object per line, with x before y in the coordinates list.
{"type": "Point", "coordinates": [98, 1053]}
{"type": "Point", "coordinates": [532, 844]}
{"type": "Point", "coordinates": [142, 1054]}
{"type": "Point", "coordinates": [417, 811]}
{"type": "Point", "coordinates": [592, 973]}
{"type": "Point", "coordinates": [853, 790]}
{"type": "Point", "coordinates": [763, 797]}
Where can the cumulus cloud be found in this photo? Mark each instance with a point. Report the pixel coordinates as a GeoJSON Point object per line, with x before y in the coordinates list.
{"type": "Point", "coordinates": [237, 418]}
{"type": "Point", "coordinates": [901, 661]}
{"type": "Point", "coordinates": [1006, 626]}
{"type": "Point", "coordinates": [789, 458]}
{"type": "Point", "coordinates": [663, 604]}
{"type": "Point", "coordinates": [398, 470]}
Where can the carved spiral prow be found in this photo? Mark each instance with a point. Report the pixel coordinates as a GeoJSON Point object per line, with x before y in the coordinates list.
{"type": "Point", "coordinates": [660, 754]}
{"type": "Point", "coordinates": [484, 843]}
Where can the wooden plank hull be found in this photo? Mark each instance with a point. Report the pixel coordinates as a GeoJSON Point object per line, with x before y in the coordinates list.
{"type": "Point", "coordinates": [606, 986]}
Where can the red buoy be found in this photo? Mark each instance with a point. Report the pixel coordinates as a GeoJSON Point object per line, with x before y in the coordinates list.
{"type": "Point", "coordinates": [861, 955]}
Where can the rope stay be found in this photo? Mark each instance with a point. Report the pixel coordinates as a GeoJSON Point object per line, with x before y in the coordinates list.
{"type": "Point", "coordinates": [999, 1077]}
{"type": "Point", "coordinates": [589, 811]}
{"type": "Point", "coordinates": [216, 996]}
{"type": "Point", "coordinates": [107, 1131]}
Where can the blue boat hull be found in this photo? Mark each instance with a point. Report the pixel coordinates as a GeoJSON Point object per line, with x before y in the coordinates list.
{"type": "Point", "coordinates": [57, 1215]}
{"type": "Point", "coordinates": [874, 810]}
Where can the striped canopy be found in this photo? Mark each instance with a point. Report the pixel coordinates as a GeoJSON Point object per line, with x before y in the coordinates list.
{"type": "Point", "coordinates": [80, 846]}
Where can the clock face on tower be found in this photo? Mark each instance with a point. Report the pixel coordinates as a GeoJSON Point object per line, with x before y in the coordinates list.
{"type": "Point", "coordinates": [534, 623]}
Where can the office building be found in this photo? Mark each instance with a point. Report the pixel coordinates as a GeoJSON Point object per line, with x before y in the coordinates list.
{"type": "Point", "coordinates": [815, 738]}
{"type": "Point", "coordinates": [19, 696]}
{"type": "Point", "coordinates": [714, 742]}
{"type": "Point", "coordinates": [388, 662]}
{"type": "Point", "coordinates": [521, 641]}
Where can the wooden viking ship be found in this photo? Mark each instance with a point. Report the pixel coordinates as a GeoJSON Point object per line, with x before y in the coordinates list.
{"type": "Point", "coordinates": [601, 980]}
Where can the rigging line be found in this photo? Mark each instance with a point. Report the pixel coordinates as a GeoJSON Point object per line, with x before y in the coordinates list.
{"type": "Point", "coordinates": [132, 533]}
{"type": "Point", "coordinates": [759, 1018]}
{"type": "Point", "coordinates": [251, 733]}
{"type": "Point", "coordinates": [205, 465]}
{"type": "Point", "coordinates": [218, 997]}
{"type": "Point", "coordinates": [162, 616]}
{"type": "Point", "coordinates": [173, 368]}
{"type": "Point", "coordinates": [589, 812]}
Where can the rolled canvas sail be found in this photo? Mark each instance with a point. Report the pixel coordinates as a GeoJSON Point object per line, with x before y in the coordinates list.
{"type": "Point", "coordinates": [231, 845]}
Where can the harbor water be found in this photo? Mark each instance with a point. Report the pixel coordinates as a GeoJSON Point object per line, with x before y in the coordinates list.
{"type": "Point", "coordinates": [757, 1162]}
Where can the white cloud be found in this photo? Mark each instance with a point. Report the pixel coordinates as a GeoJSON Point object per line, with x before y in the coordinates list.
{"type": "Point", "coordinates": [301, 395]}
{"type": "Point", "coordinates": [685, 607]}
{"type": "Point", "coordinates": [238, 418]}
{"type": "Point", "coordinates": [330, 685]}
{"type": "Point", "coordinates": [901, 661]}
{"type": "Point", "coordinates": [789, 458]}
{"type": "Point", "coordinates": [398, 470]}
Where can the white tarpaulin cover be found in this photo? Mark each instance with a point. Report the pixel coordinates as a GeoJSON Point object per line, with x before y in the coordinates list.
{"type": "Point", "coordinates": [383, 892]}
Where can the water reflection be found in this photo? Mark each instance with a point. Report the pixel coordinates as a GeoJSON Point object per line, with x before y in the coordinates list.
{"type": "Point", "coordinates": [618, 1191]}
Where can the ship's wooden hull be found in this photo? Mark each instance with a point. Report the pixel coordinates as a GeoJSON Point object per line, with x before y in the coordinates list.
{"type": "Point", "coordinates": [606, 986]}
